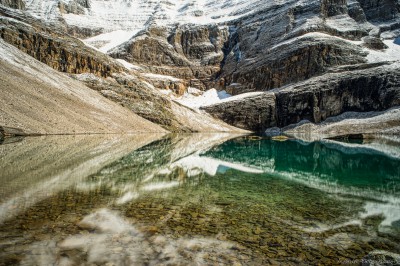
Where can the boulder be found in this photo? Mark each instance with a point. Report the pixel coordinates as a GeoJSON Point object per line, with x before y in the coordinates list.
{"type": "Point", "coordinates": [374, 43]}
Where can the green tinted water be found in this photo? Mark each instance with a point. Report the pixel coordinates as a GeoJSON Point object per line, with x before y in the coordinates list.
{"type": "Point", "coordinates": [198, 200]}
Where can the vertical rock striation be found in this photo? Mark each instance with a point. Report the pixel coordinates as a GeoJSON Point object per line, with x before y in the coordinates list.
{"type": "Point", "coordinates": [192, 53]}
{"type": "Point", "coordinates": [53, 48]}
{"type": "Point", "coordinates": [16, 4]}
{"type": "Point", "coordinates": [375, 89]}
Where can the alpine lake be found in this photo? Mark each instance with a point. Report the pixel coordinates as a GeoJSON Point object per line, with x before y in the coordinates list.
{"type": "Point", "coordinates": [199, 199]}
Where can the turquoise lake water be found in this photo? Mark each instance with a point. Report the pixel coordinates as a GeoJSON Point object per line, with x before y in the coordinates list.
{"type": "Point", "coordinates": [212, 199]}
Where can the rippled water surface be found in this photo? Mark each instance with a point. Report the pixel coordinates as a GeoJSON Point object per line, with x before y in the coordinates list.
{"type": "Point", "coordinates": [198, 200]}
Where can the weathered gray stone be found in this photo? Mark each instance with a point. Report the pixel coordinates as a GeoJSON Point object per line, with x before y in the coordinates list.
{"type": "Point", "coordinates": [279, 46]}
{"type": "Point", "coordinates": [192, 53]}
{"type": "Point", "coordinates": [380, 9]}
{"type": "Point", "coordinates": [48, 45]}
{"type": "Point", "coordinates": [293, 62]}
{"type": "Point", "coordinates": [331, 8]}
{"type": "Point", "coordinates": [254, 113]}
{"type": "Point", "coordinates": [356, 12]}
{"type": "Point", "coordinates": [16, 4]}
{"type": "Point", "coordinates": [373, 89]}
{"type": "Point", "coordinates": [374, 43]}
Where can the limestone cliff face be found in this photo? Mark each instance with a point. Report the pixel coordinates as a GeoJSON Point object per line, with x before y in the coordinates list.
{"type": "Point", "coordinates": [375, 89]}
{"type": "Point", "coordinates": [53, 48]}
{"type": "Point", "coordinates": [17, 4]}
{"type": "Point", "coordinates": [187, 52]}
{"type": "Point", "coordinates": [380, 9]}
{"type": "Point", "coordinates": [330, 8]}
{"type": "Point", "coordinates": [276, 46]}
{"type": "Point", "coordinates": [75, 7]}
{"type": "Point", "coordinates": [292, 62]}
{"type": "Point", "coordinates": [293, 48]}
{"type": "Point", "coordinates": [104, 74]}
{"type": "Point", "coordinates": [271, 51]}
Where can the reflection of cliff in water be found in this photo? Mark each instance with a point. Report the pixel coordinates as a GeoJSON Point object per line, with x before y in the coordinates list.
{"type": "Point", "coordinates": [34, 169]}
{"type": "Point", "coordinates": [155, 166]}
{"type": "Point", "coordinates": [353, 171]}
{"type": "Point", "coordinates": [323, 160]}
{"type": "Point", "coordinates": [202, 199]}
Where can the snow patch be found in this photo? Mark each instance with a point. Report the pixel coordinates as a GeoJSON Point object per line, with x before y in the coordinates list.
{"type": "Point", "coordinates": [129, 65]}
{"type": "Point", "coordinates": [107, 41]}
{"type": "Point", "coordinates": [161, 77]}
{"type": "Point", "coordinates": [191, 99]}
{"type": "Point", "coordinates": [125, 15]}
{"type": "Point", "coordinates": [390, 54]}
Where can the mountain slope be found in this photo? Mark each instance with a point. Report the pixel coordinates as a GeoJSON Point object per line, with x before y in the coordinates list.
{"type": "Point", "coordinates": [38, 99]}
{"type": "Point", "coordinates": [177, 47]}
{"type": "Point", "coordinates": [133, 90]}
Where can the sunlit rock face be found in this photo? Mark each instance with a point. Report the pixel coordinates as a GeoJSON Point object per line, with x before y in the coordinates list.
{"type": "Point", "coordinates": [49, 45]}
{"type": "Point", "coordinates": [189, 52]}
{"type": "Point", "coordinates": [258, 44]}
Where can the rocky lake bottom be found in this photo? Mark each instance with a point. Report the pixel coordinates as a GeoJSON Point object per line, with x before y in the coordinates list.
{"type": "Point", "coordinates": [200, 199]}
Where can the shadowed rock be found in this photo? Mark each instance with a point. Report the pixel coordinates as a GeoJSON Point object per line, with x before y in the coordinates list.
{"type": "Point", "coordinates": [374, 89]}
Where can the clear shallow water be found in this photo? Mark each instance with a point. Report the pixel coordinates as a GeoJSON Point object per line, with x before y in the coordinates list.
{"type": "Point", "coordinates": [196, 200]}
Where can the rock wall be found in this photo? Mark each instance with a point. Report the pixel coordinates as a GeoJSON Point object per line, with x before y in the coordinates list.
{"type": "Point", "coordinates": [276, 45]}
{"type": "Point", "coordinates": [356, 12]}
{"type": "Point", "coordinates": [187, 52]}
{"type": "Point", "coordinates": [380, 9]}
{"type": "Point", "coordinates": [330, 8]}
{"type": "Point", "coordinates": [75, 7]}
{"type": "Point", "coordinates": [373, 89]}
{"type": "Point", "coordinates": [362, 91]}
{"type": "Point", "coordinates": [16, 4]}
{"type": "Point", "coordinates": [55, 49]}
{"type": "Point", "coordinates": [255, 113]}
{"type": "Point", "coordinates": [69, 55]}
{"type": "Point", "coordinates": [289, 43]}
{"type": "Point", "coordinates": [293, 62]}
